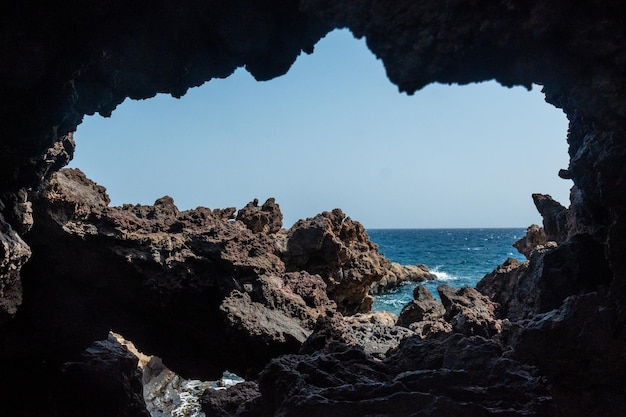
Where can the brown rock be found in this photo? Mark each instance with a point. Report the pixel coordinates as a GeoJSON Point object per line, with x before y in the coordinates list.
{"type": "Point", "coordinates": [397, 275]}
{"type": "Point", "coordinates": [424, 315]}
{"type": "Point", "coordinates": [534, 238]}
{"type": "Point", "coordinates": [14, 253]}
{"type": "Point", "coordinates": [469, 312]}
{"type": "Point", "coordinates": [339, 250]}
{"type": "Point", "coordinates": [147, 269]}
{"type": "Point", "coordinates": [265, 219]}
{"type": "Point", "coordinates": [503, 286]}
{"type": "Point", "coordinates": [554, 217]}
{"type": "Point", "coordinates": [51, 79]}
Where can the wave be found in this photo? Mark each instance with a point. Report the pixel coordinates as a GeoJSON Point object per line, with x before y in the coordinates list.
{"type": "Point", "coordinates": [443, 276]}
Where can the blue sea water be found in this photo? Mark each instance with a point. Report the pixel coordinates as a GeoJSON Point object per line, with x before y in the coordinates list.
{"type": "Point", "coordinates": [457, 256]}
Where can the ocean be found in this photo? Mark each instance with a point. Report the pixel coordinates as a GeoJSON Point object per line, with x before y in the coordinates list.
{"type": "Point", "coordinates": [457, 256]}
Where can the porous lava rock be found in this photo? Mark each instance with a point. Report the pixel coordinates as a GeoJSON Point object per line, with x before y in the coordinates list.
{"type": "Point", "coordinates": [107, 369]}
{"type": "Point", "coordinates": [265, 219]}
{"type": "Point", "coordinates": [338, 249]}
{"type": "Point", "coordinates": [424, 314]}
{"type": "Point", "coordinates": [398, 275]}
{"type": "Point", "coordinates": [534, 238]}
{"type": "Point", "coordinates": [457, 375]}
{"type": "Point", "coordinates": [147, 270]}
{"type": "Point", "coordinates": [62, 61]}
{"type": "Point", "coordinates": [524, 289]}
{"type": "Point", "coordinates": [469, 312]}
{"type": "Point", "coordinates": [14, 253]}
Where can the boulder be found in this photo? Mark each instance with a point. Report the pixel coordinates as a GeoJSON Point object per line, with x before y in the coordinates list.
{"type": "Point", "coordinates": [397, 275]}
{"type": "Point", "coordinates": [424, 315]}
{"type": "Point", "coordinates": [469, 312]}
{"type": "Point", "coordinates": [147, 269]}
{"type": "Point", "coordinates": [339, 250]}
{"type": "Point", "coordinates": [265, 219]}
{"type": "Point", "coordinates": [555, 217]}
{"type": "Point", "coordinates": [104, 382]}
{"type": "Point", "coordinates": [534, 238]}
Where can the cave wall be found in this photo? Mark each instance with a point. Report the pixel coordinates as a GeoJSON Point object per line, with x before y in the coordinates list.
{"type": "Point", "coordinates": [63, 60]}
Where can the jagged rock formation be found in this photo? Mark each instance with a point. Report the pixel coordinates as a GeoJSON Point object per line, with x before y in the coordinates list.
{"type": "Point", "coordinates": [555, 224]}
{"type": "Point", "coordinates": [264, 219]}
{"type": "Point", "coordinates": [401, 274]}
{"type": "Point", "coordinates": [147, 269]}
{"type": "Point", "coordinates": [535, 237]}
{"type": "Point", "coordinates": [338, 249]}
{"type": "Point", "coordinates": [464, 310]}
{"type": "Point", "coordinates": [106, 369]}
{"type": "Point", "coordinates": [61, 61]}
{"type": "Point", "coordinates": [424, 314]}
{"type": "Point", "coordinates": [455, 376]}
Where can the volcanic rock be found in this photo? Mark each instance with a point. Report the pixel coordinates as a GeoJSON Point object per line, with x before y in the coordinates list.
{"type": "Point", "coordinates": [108, 370]}
{"type": "Point", "coordinates": [424, 315]}
{"type": "Point", "coordinates": [147, 269]}
{"type": "Point", "coordinates": [554, 217]}
{"type": "Point", "coordinates": [469, 312]}
{"type": "Point", "coordinates": [51, 78]}
{"type": "Point", "coordinates": [534, 238]}
{"type": "Point", "coordinates": [231, 401]}
{"type": "Point", "coordinates": [523, 289]}
{"type": "Point", "coordinates": [458, 375]}
{"type": "Point", "coordinates": [397, 275]}
{"type": "Point", "coordinates": [339, 250]}
{"type": "Point", "coordinates": [265, 219]}
{"type": "Point", "coordinates": [14, 253]}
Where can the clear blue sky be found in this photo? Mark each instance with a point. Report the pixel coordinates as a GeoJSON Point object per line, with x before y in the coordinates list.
{"type": "Point", "coordinates": [334, 132]}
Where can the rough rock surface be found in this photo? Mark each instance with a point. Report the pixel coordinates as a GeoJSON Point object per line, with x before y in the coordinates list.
{"type": "Point", "coordinates": [338, 249]}
{"type": "Point", "coordinates": [555, 224]}
{"type": "Point", "coordinates": [108, 370]}
{"type": "Point", "coordinates": [455, 376]}
{"type": "Point", "coordinates": [14, 253]}
{"type": "Point", "coordinates": [534, 238]}
{"type": "Point", "coordinates": [424, 314]}
{"type": "Point", "coordinates": [228, 402]}
{"type": "Point", "coordinates": [400, 274]}
{"type": "Point", "coordinates": [469, 312]}
{"type": "Point", "coordinates": [51, 78]}
{"type": "Point", "coordinates": [265, 219]}
{"type": "Point", "coordinates": [147, 270]}
{"type": "Point", "coordinates": [524, 289]}
{"type": "Point", "coordinates": [461, 310]}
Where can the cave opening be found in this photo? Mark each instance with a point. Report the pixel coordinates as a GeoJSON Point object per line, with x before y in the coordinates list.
{"type": "Point", "coordinates": [333, 132]}
{"type": "Point", "coordinates": [448, 157]}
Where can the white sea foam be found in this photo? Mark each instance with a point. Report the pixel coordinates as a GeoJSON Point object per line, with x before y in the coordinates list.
{"type": "Point", "coordinates": [443, 276]}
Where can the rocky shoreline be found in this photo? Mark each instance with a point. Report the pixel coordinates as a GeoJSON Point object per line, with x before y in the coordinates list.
{"type": "Point", "coordinates": [267, 302]}
{"type": "Point", "coordinates": [545, 337]}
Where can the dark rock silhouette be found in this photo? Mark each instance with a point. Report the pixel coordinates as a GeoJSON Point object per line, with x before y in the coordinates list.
{"type": "Point", "coordinates": [565, 308]}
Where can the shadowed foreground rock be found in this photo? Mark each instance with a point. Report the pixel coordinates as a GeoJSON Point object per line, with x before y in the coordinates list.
{"type": "Point", "coordinates": [106, 370]}
{"type": "Point", "coordinates": [154, 270]}
{"type": "Point", "coordinates": [454, 376]}
{"type": "Point", "coordinates": [90, 272]}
